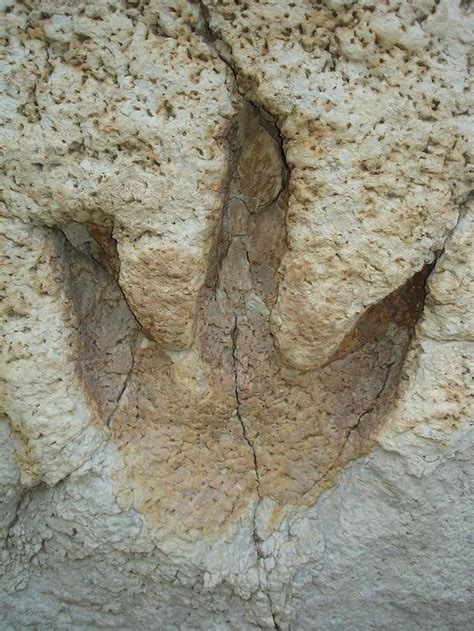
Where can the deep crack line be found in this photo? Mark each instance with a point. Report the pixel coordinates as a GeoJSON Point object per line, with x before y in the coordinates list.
{"type": "Point", "coordinates": [356, 425]}
{"type": "Point", "coordinates": [368, 411]}
{"type": "Point", "coordinates": [127, 380]}
{"type": "Point", "coordinates": [230, 229]}
{"type": "Point", "coordinates": [256, 538]}
{"type": "Point", "coordinates": [234, 336]}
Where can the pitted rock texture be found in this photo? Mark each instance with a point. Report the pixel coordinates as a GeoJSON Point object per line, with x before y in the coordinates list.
{"type": "Point", "coordinates": [368, 97]}
{"type": "Point", "coordinates": [236, 315]}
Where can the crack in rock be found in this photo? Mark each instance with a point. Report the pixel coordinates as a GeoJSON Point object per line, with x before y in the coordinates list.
{"type": "Point", "coordinates": [234, 335]}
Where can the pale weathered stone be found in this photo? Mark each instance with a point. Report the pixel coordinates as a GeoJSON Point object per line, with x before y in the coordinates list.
{"type": "Point", "coordinates": [236, 315]}
{"type": "Point", "coordinates": [367, 96]}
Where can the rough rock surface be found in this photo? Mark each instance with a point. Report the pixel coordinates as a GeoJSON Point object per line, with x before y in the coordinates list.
{"type": "Point", "coordinates": [237, 315]}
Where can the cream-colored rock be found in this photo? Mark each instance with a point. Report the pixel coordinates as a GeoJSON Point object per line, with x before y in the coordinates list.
{"type": "Point", "coordinates": [108, 121]}
{"type": "Point", "coordinates": [366, 97]}
{"type": "Point", "coordinates": [437, 390]}
{"type": "Point", "coordinates": [236, 315]}
{"type": "Point", "coordinates": [42, 393]}
{"type": "Point", "coordinates": [10, 486]}
{"type": "Point", "coordinates": [451, 287]}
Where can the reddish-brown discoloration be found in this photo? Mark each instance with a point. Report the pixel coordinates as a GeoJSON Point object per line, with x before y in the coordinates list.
{"type": "Point", "coordinates": [206, 432]}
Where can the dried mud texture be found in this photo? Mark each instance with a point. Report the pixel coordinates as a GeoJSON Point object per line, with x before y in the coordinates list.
{"type": "Point", "coordinates": [236, 244]}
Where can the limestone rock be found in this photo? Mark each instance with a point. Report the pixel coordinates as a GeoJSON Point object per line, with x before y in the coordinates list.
{"type": "Point", "coordinates": [237, 296]}
{"type": "Point", "coordinates": [367, 96]}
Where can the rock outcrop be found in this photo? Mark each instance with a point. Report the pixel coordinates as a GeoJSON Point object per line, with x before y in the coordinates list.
{"type": "Point", "coordinates": [237, 315]}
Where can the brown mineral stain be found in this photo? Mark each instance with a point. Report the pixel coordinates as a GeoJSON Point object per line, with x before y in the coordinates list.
{"type": "Point", "coordinates": [160, 285]}
{"type": "Point", "coordinates": [207, 432]}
